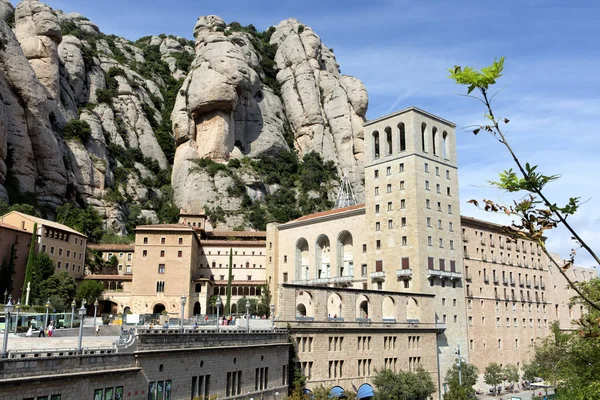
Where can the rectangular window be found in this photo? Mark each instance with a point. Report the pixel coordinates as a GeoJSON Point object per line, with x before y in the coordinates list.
{"type": "Point", "coordinates": [450, 226]}
{"type": "Point", "coordinates": [429, 222]}
{"type": "Point", "coordinates": [389, 206]}
{"type": "Point", "coordinates": [449, 208]}
{"type": "Point", "coordinates": [426, 185]}
{"type": "Point", "coordinates": [376, 208]}
{"type": "Point", "coordinates": [428, 204]}
{"type": "Point", "coordinates": [401, 167]}
{"type": "Point", "coordinates": [363, 269]}
{"type": "Point", "coordinates": [364, 248]}
{"type": "Point", "coordinates": [439, 224]}
{"type": "Point", "coordinates": [285, 277]}
{"type": "Point", "coordinates": [378, 244]}
{"type": "Point", "coordinates": [376, 190]}
{"type": "Point", "coordinates": [401, 185]}
{"type": "Point", "coordinates": [163, 240]}
{"type": "Point", "coordinates": [161, 268]}
{"type": "Point", "coordinates": [447, 174]}
{"type": "Point", "coordinates": [437, 171]}
{"type": "Point", "coordinates": [377, 226]}
{"type": "Point", "coordinates": [390, 224]}
{"type": "Point", "coordinates": [144, 253]}
{"type": "Point", "coordinates": [60, 252]}
{"type": "Point", "coordinates": [51, 249]}
{"type": "Point", "coordinates": [179, 253]}
{"type": "Point", "coordinates": [438, 188]}
{"type": "Point", "coordinates": [404, 240]}
{"type": "Point", "coordinates": [388, 170]}
{"type": "Point", "coordinates": [389, 188]}
{"type": "Point", "coordinates": [145, 240]}
{"type": "Point", "coordinates": [426, 166]}
{"type": "Point", "coordinates": [402, 203]}
{"type": "Point", "coordinates": [429, 241]}
{"type": "Point", "coordinates": [376, 174]}
{"type": "Point", "coordinates": [452, 245]}
{"type": "Point", "coordinates": [403, 221]}
{"type": "Point", "coordinates": [162, 253]}
{"type": "Point", "coordinates": [448, 191]}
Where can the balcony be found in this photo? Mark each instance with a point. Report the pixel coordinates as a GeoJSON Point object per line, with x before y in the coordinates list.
{"type": "Point", "coordinates": [432, 273]}
{"type": "Point", "coordinates": [404, 273]}
{"type": "Point", "coordinates": [377, 276]}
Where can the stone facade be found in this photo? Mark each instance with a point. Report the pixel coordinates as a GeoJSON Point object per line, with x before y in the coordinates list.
{"type": "Point", "coordinates": [65, 246]}
{"type": "Point", "coordinates": [233, 365]}
{"type": "Point", "coordinates": [12, 236]}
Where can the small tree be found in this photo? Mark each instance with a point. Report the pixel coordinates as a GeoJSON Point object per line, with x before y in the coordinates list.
{"type": "Point", "coordinates": [403, 385]}
{"type": "Point", "coordinates": [89, 291]}
{"type": "Point", "coordinates": [43, 269]}
{"type": "Point", "coordinates": [7, 269]}
{"type": "Point", "coordinates": [493, 375]}
{"type": "Point", "coordinates": [77, 129]}
{"type": "Point", "coordinates": [60, 288]}
{"type": "Point", "coordinates": [456, 391]}
{"type": "Point", "coordinates": [511, 373]}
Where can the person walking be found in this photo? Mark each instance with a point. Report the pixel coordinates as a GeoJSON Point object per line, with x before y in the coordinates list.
{"type": "Point", "coordinates": [97, 329]}
{"type": "Point", "coordinates": [42, 332]}
{"type": "Point", "coordinates": [51, 329]}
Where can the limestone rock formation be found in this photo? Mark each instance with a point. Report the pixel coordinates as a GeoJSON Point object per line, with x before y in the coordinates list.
{"type": "Point", "coordinates": [160, 103]}
{"type": "Point", "coordinates": [325, 109]}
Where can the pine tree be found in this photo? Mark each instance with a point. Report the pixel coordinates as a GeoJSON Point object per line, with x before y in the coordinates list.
{"type": "Point", "coordinates": [30, 260]}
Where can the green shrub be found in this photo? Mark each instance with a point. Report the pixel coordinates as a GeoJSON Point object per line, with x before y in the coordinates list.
{"type": "Point", "coordinates": [78, 130]}
{"type": "Point", "coordinates": [106, 95]}
{"type": "Point", "coordinates": [300, 29]}
{"type": "Point", "coordinates": [206, 164]}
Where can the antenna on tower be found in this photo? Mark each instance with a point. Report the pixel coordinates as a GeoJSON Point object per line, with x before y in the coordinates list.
{"type": "Point", "coordinates": [345, 197]}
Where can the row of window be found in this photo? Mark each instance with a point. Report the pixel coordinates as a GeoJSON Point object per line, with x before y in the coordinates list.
{"type": "Point", "coordinates": [121, 255]}
{"type": "Point", "coordinates": [514, 306]}
{"type": "Point", "coordinates": [505, 242]}
{"type": "Point", "coordinates": [235, 253]}
{"type": "Point", "coordinates": [427, 141]}
{"type": "Point", "coordinates": [59, 266]}
{"type": "Point", "coordinates": [505, 259]}
{"type": "Point", "coordinates": [440, 243]}
{"type": "Point", "coordinates": [60, 252]}
{"type": "Point", "coordinates": [388, 172]}
{"type": "Point", "coordinates": [163, 253]}
{"type": "Point", "coordinates": [484, 345]}
{"type": "Point", "coordinates": [163, 240]}
{"type": "Point", "coordinates": [214, 265]}
{"type": "Point", "coordinates": [515, 324]}
{"type": "Point", "coordinates": [58, 235]}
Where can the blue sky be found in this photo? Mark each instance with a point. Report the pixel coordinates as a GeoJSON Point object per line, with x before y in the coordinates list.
{"type": "Point", "coordinates": [401, 50]}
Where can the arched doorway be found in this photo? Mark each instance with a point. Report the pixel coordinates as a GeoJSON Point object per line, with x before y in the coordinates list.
{"type": "Point", "coordinates": [388, 309]}
{"type": "Point", "coordinates": [362, 307]}
{"type": "Point", "coordinates": [323, 251]}
{"type": "Point", "coordinates": [301, 270]}
{"type": "Point", "coordinates": [345, 254]}
{"type": "Point", "coordinates": [197, 308]}
{"type": "Point", "coordinates": [334, 306]}
{"type": "Point", "coordinates": [158, 308]}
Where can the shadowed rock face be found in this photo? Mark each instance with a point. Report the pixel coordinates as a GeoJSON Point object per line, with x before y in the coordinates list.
{"type": "Point", "coordinates": [55, 67]}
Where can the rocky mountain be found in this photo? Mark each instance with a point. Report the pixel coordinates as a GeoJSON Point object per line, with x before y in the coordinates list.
{"type": "Point", "coordinates": [248, 126]}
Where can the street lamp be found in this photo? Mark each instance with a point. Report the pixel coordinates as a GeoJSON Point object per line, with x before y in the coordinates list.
{"type": "Point", "coordinates": [459, 365]}
{"type": "Point", "coordinates": [272, 317]}
{"type": "Point", "coordinates": [81, 313]}
{"type": "Point", "coordinates": [218, 303]}
{"type": "Point", "coordinates": [7, 309]}
{"type": "Point", "coordinates": [73, 305]}
{"type": "Point", "coordinates": [247, 315]}
{"type": "Point", "coordinates": [17, 307]}
{"type": "Point", "coordinates": [47, 308]}
{"type": "Point", "coordinates": [183, 299]}
{"type": "Point", "coordinates": [95, 312]}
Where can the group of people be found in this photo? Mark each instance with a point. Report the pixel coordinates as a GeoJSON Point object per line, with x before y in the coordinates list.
{"type": "Point", "coordinates": [43, 332]}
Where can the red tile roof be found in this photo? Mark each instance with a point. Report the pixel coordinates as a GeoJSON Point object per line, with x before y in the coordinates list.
{"type": "Point", "coordinates": [12, 227]}
{"type": "Point", "coordinates": [330, 212]}
{"type": "Point", "coordinates": [228, 234]}
{"type": "Point", "coordinates": [183, 227]}
{"type": "Point", "coordinates": [112, 247]}
{"type": "Point", "coordinates": [98, 277]}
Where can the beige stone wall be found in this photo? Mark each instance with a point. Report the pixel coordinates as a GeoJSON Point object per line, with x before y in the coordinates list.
{"type": "Point", "coordinates": [561, 293]}
{"type": "Point", "coordinates": [22, 240]}
{"type": "Point", "coordinates": [66, 249]}
{"type": "Point", "coordinates": [413, 213]}
{"type": "Point", "coordinates": [508, 300]}
{"type": "Point", "coordinates": [349, 349]}
{"type": "Point", "coordinates": [176, 250]}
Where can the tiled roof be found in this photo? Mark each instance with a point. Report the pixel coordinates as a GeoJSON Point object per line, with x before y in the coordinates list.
{"type": "Point", "coordinates": [330, 212]}
{"type": "Point", "coordinates": [45, 222]}
{"type": "Point", "coordinates": [228, 234]}
{"type": "Point", "coordinates": [112, 247]}
{"type": "Point", "coordinates": [208, 243]}
{"type": "Point", "coordinates": [182, 227]}
{"type": "Point", "coordinates": [98, 277]}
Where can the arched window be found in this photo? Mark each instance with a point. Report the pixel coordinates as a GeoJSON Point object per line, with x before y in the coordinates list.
{"type": "Point", "coordinates": [423, 138]}
{"type": "Point", "coordinates": [323, 262]}
{"type": "Point", "coordinates": [402, 133]}
{"type": "Point", "coordinates": [252, 291]}
{"type": "Point", "coordinates": [334, 306]}
{"type": "Point", "coordinates": [433, 141]}
{"type": "Point", "coordinates": [197, 308]}
{"type": "Point", "coordinates": [301, 259]}
{"type": "Point", "coordinates": [412, 309]}
{"type": "Point", "coordinates": [234, 291]}
{"type": "Point", "coordinates": [345, 261]}
{"type": "Point", "coordinates": [388, 141]}
{"type": "Point", "coordinates": [375, 144]}
{"type": "Point", "coordinates": [445, 145]}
